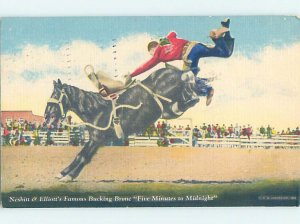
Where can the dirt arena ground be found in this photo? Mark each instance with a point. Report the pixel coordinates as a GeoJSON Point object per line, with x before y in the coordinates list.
{"type": "Point", "coordinates": [27, 168]}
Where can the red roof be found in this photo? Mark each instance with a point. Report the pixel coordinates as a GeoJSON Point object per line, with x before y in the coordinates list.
{"type": "Point", "coordinates": [24, 114]}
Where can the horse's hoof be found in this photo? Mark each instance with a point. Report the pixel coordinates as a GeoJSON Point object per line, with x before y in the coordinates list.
{"type": "Point", "coordinates": [66, 179]}
{"type": "Point", "coordinates": [59, 176]}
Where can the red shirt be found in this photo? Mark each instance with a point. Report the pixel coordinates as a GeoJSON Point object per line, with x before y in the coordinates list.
{"type": "Point", "coordinates": [6, 132]}
{"type": "Point", "coordinates": [169, 52]}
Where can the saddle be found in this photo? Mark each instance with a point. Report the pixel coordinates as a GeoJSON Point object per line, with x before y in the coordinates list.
{"type": "Point", "coordinates": [109, 89]}
{"type": "Point", "coordinates": [104, 83]}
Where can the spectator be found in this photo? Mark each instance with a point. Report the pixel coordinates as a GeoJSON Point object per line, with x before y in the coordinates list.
{"type": "Point", "coordinates": [297, 131]}
{"type": "Point", "coordinates": [237, 130]}
{"type": "Point", "coordinates": [168, 127]}
{"type": "Point", "coordinates": [209, 130]}
{"type": "Point", "coordinates": [158, 126]}
{"type": "Point", "coordinates": [262, 131]}
{"type": "Point", "coordinates": [269, 132]}
{"type": "Point", "coordinates": [218, 131]}
{"type": "Point", "coordinates": [230, 131]}
{"type": "Point", "coordinates": [214, 130]}
{"type": "Point", "coordinates": [60, 127]}
{"type": "Point", "coordinates": [274, 132]}
{"type": "Point", "coordinates": [249, 131]}
{"type": "Point", "coordinates": [223, 130]}
{"type": "Point", "coordinates": [6, 134]}
{"type": "Point", "coordinates": [174, 128]}
{"type": "Point", "coordinates": [244, 130]}
{"type": "Point", "coordinates": [9, 125]}
{"type": "Point", "coordinates": [187, 131]}
{"type": "Point", "coordinates": [196, 132]}
{"type": "Point", "coordinates": [204, 130]}
{"type": "Point", "coordinates": [15, 125]}
{"type": "Point", "coordinates": [163, 129]}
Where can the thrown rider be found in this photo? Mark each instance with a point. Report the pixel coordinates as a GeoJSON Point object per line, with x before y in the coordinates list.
{"type": "Point", "coordinates": [172, 48]}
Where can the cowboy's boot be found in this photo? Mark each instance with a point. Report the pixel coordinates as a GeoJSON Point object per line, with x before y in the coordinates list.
{"type": "Point", "coordinates": [226, 23]}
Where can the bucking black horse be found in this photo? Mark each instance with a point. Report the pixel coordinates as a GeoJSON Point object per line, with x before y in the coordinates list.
{"type": "Point", "coordinates": [166, 93]}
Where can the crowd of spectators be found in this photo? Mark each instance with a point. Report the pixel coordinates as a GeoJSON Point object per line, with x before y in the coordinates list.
{"type": "Point", "coordinates": [269, 132]}
{"type": "Point", "coordinates": [15, 132]}
{"type": "Point", "coordinates": [222, 131]}
{"type": "Point", "coordinates": [163, 128]}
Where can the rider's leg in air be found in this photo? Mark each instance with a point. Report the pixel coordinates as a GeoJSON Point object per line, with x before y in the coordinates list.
{"type": "Point", "coordinates": [224, 45]}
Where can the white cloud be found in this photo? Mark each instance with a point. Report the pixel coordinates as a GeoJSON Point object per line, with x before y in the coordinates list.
{"type": "Point", "coordinates": [259, 90]}
{"type": "Point", "coordinates": [262, 89]}
{"type": "Point", "coordinates": [66, 63]}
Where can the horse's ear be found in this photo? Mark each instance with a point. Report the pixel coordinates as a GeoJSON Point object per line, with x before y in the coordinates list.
{"type": "Point", "coordinates": [54, 82]}
{"type": "Point", "coordinates": [58, 84]}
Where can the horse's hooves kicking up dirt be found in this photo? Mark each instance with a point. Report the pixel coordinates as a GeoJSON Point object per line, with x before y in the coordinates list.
{"type": "Point", "coordinates": [66, 179]}
{"type": "Point", "coordinates": [59, 176]}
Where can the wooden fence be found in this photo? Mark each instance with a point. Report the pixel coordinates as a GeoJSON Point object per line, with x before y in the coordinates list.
{"type": "Point", "coordinates": [280, 141]}
{"type": "Point", "coordinates": [288, 141]}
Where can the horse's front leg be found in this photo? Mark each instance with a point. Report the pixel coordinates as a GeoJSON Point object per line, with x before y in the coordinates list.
{"type": "Point", "coordinates": [82, 158]}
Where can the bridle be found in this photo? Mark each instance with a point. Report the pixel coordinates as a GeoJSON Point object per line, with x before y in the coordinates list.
{"type": "Point", "coordinates": [59, 102]}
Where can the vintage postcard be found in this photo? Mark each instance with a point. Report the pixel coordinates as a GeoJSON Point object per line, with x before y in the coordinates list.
{"type": "Point", "coordinates": [150, 111]}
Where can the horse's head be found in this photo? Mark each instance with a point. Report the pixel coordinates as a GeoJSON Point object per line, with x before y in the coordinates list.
{"type": "Point", "coordinates": [57, 105]}
{"type": "Point", "coordinates": [166, 82]}
{"type": "Point", "coordinates": [177, 86]}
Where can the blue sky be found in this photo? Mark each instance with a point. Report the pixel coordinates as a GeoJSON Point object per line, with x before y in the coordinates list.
{"type": "Point", "coordinates": [252, 33]}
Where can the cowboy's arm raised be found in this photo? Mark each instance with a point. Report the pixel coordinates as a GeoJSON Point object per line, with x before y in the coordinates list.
{"type": "Point", "coordinates": [148, 65]}
{"type": "Point", "coordinates": [171, 36]}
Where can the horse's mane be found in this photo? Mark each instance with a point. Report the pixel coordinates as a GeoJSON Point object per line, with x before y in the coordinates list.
{"type": "Point", "coordinates": [83, 97]}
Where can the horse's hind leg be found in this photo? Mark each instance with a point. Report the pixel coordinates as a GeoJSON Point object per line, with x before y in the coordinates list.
{"type": "Point", "coordinates": [83, 157]}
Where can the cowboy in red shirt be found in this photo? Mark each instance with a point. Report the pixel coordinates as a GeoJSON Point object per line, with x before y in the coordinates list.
{"type": "Point", "coordinates": [190, 53]}
{"type": "Point", "coordinates": [169, 52]}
